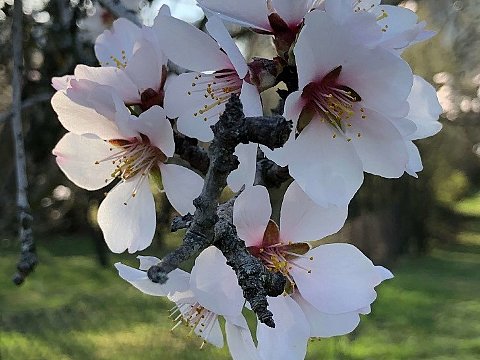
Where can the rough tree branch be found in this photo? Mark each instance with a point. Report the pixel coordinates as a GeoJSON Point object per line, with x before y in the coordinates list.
{"type": "Point", "coordinates": [232, 129]}
{"type": "Point", "coordinates": [255, 280]}
{"type": "Point", "coordinates": [119, 11]}
{"type": "Point", "coordinates": [28, 257]}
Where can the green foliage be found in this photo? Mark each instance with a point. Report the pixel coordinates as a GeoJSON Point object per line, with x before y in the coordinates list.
{"type": "Point", "coordinates": [452, 188]}
{"type": "Point", "coordinates": [73, 309]}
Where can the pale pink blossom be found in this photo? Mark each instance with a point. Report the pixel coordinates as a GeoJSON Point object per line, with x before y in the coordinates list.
{"type": "Point", "coordinates": [210, 291]}
{"type": "Point", "coordinates": [132, 64]}
{"type": "Point", "coordinates": [107, 143]}
{"type": "Point", "coordinates": [328, 286]}
{"type": "Point", "coordinates": [257, 14]}
{"type": "Point", "coordinates": [396, 27]}
{"type": "Point", "coordinates": [348, 111]}
{"type": "Point", "coordinates": [198, 98]}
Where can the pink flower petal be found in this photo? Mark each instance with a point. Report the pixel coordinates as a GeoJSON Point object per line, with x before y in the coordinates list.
{"type": "Point", "coordinates": [251, 213]}
{"type": "Point", "coordinates": [77, 157]}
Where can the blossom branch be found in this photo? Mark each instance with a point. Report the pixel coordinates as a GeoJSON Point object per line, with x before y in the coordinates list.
{"type": "Point", "coordinates": [118, 10]}
{"type": "Point", "coordinates": [255, 280]}
{"type": "Point", "coordinates": [28, 257]}
{"type": "Point", "coordinates": [232, 129]}
{"type": "Point", "coordinates": [270, 174]}
{"type": "Point", "coordinates": [187, 148]}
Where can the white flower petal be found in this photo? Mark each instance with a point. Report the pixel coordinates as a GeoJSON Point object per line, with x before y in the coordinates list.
{"type": "Point", "coordinates": [196, 127]}
{"type": "Point", "coordinates": [288, 340]}
{"type": "Point", "coordinates": [110, 76]}
{"type": "Point", "coordinates": [181, 186]}
{"type": "Point", "coordinates": [182, 100]}
{"type": "Point", "coordinates": [62, 82]}
{"type": "Point", "coordinates": [294, 105]}
{"type": "Point", "coordinates": [77, 155]}
{"type": "Point", "coordinates": [251, 101]}
{"type": "Point", "coordinates": [325, 164]}
{"type": "Point", "coordinates": [292, 12]}
{"type": "Point", "coordinates": [251, 214]}
{"type": "Point", "coordinates": [402, 29]}
{"type": "Point", "coordinates": [190, 48]}
{"type": "Point", "coordinates": [220, 33]}
{"type": "Point", "coordinates": [378, 143]}
{"type": "Point", "coordinates": [80, 119]}
{"type": "Point", "coordinates": [383, 274]}
{"type": "Point", "coordinates": [424, 109]}
{"type": "Point", "coordinates": [212, 333]}
{"type": "Point", "coordinates": [215, 284]}
{"type": "Point", "coordinates": [245, 173]}
{"type": "Point", "coordinates": [154, 124]}
{"type": "Point", "coordinates": [382, 79]}
{"type": "Point", "coordinates": [302, 220]}
{"type": "Point", "coordinates": [145, 67]}
{"type": "Point", "coordinates": [240, 342]}
{"type": "Point", "coordinates": [146, 262]}
{"type": "Point", "coordinates": [117, 43]}
{"type": "Point", "coordinates": [414, 164]}
{"type": "Point", "coordinates": [327, 325]}
{"type": "Point", "coordinates": [130, 226]}
{"type": "Point", "coordinates": [341, 280]}
{"type": "Point", "coordinates": [250, 13]}
{"type": "Point", "coordinates": [177, 280]}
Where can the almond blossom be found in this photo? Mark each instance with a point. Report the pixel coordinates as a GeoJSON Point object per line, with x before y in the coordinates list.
{"type": "Point", "coordinates": [107, 143]}
{"type": "Point", "coordinates": [349, 109]}
{"type": "Point", "coordinates": [198, 98]}
{"type": "Point", "coordinates": [210, 291]}
{"type": "Point", "coordinates": [328, 286]}
{"type": "Point", "coordinates": [262, 15]}
{"type": "Point", "coordinates": [396, 27]}
{"type": "Point", "coordinates": [131, 63]}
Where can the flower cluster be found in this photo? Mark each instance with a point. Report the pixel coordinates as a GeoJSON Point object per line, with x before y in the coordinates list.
{"type": "Point", "coordinates": [355, 106]}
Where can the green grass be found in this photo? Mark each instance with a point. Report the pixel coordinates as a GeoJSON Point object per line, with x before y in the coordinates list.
{"type": "Point", "coordinates": [469, 206]}
{"type": "Point", "coordinates": [72, 309]}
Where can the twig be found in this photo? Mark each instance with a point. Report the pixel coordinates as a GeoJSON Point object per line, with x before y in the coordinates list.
{"type": "Point", "coordinates": [119, 11]}
{"type": "Point", "coordinates": [187, 148]}
{"type": "Point", "coordinates": [270, 174]}
{"type": "Point", "coordinates": [31, 101]}
{"type": "Point", "coordinates": [253, 130]}
{"type": "Point", "coordinates": [255, 280]}
{"type": "Point", "coordinates": [232, 128]}
{"type": "Point", "coordinates": [28, 257]}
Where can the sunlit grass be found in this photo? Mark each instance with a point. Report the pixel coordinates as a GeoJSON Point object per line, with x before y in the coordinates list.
{"type": "Point", "coordinates": [73, 309]}
{"type": "Point", "coordinates": [469, 206]}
